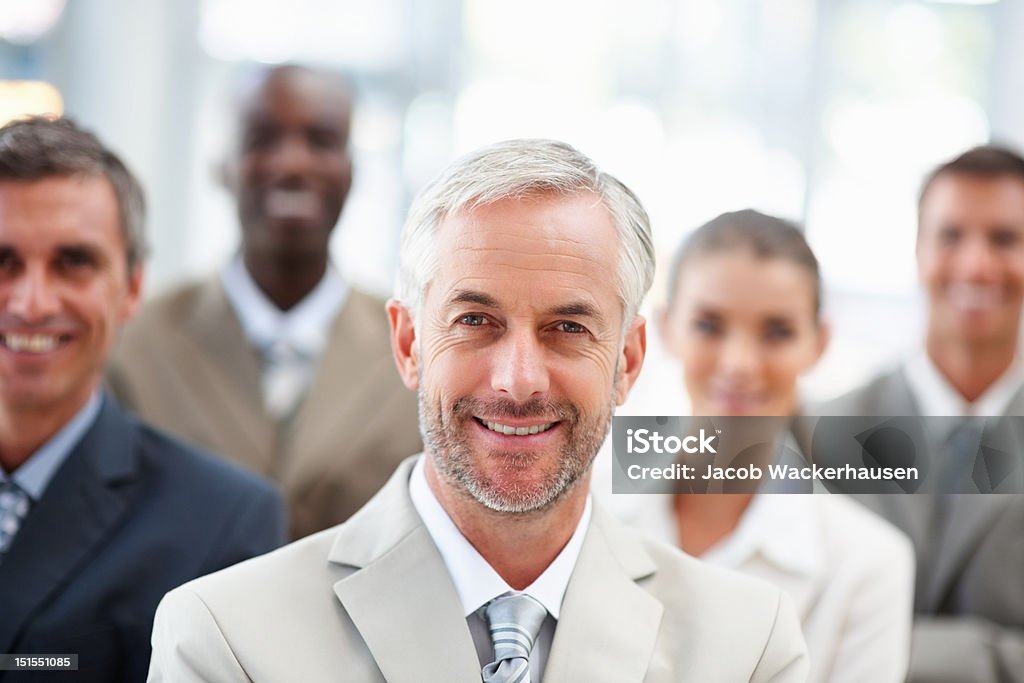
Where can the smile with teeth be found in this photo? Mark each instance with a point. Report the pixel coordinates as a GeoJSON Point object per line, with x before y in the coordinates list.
{"type": "Point", "coordinates": [517, 431]}
{"type": "Point", "coordinates": [30, 343]}
{"type": "Point", "coordinates": [974, 297]}
{"type": "Point", "coordinates": [291, 203]}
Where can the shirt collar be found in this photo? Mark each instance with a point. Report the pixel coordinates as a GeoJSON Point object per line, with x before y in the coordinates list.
{"type": "Point", "coordinates": [781, 529]}
{"type": "Point", "coordinates": [475, 580]}
{"type": "Point", "coordinates": [306, 326]}
{"type": "Point", "coordinates": [35, 474]}
{"type": "Point", "coordinates": [936, 396]}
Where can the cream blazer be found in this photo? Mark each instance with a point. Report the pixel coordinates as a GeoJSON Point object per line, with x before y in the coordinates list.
{"type": "Point", "coordinates": [371, 600]}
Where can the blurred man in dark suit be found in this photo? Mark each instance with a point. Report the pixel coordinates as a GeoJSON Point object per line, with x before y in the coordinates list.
{"type": "Point", "coordinates": [99, 515]}
{"type": "Point", "coordinates": [277, 362]}
{"type": "Point", "coordinates": [970, 254]}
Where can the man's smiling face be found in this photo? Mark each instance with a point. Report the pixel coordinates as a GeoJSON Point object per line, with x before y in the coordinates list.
{"type": "Point", "coordinates": [970, 255]}
{"type": "Point", "coordinates": [65, 290]}
{"type": "Point", "coordinates": [520, 359]}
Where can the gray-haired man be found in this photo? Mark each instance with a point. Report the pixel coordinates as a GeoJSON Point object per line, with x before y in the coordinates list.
{"type": "Point", "coordinates": [522, 269]}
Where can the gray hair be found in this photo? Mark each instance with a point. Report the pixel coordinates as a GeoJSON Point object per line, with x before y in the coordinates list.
{"type": "Point", "coordinates": [37, 148]}
{"type": "Point", "coordinates": [518, 169]}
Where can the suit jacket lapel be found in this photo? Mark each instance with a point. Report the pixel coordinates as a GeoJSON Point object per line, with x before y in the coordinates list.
{"type": "Point", "coordinates": [591, 640]}
{"type": "Point", "coordinates": [401, 598]}
{"type": "Point", "coordinates": [968, 516]}
{"type": "Point", "coordinates": [1016, 405]}
{"type": "Point", "coordinates": [228, 369]}
{"type": "Point", "coordinates": [84, 502]}
{"type": "Point", "coordinates": [345, 387]}
{"type": "Point", "coordinates": [945, 552]}
{"type": "Point", "coordinates": [895, 397]}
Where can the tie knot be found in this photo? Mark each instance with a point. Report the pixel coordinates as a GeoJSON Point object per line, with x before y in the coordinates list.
{"type": "Point", "coordinates": [962, 446]}
{"type": "Point", "coordinates": [514, 622]}
{"type": "Point", "coordinates": [964, 439]}
{"type": "Point", "coordinates": [13, 498]}
{"type": "Point", "coordinates": [284, 350]}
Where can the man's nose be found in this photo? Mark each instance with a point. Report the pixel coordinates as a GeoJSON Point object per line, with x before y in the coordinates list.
{"type": "Point", "coordinates": [292, 156]}
{"type": "Point", "coordinates": [520, 369]}
{"type": "Point", "coordinates": [33, 297]}
{"type": "Point", "coordinates": [976, 259]}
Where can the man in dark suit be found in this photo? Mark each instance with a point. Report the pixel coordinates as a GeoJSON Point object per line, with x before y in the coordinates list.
{"type": "Point", "coordinates": [277, 362]}
{"type": "Point", "coordinates": [99, 515]}
{"type": "Point", "coordinates": [970, 253]}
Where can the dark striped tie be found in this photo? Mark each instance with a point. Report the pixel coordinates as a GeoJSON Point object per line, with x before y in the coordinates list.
{"type": "Point", "coordinates": [514, 621]}
{"type": "Point", "coordinates": [14, 506]}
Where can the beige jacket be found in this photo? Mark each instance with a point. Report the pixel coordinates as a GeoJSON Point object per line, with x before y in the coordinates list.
{"type": "Point", "coordinates": [186, 367]}
{"type": "Point", "coordinates": [371, 600]}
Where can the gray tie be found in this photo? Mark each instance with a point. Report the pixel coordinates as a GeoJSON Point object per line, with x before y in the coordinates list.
{"type": "Point", "coordinates": [962, 446]}
{"type": "Point", "coordinates": [286, 376]}
{"type": "Point", "coordinates": [14, 506]}
{"type": "Point", "coordinates": [514, 622]}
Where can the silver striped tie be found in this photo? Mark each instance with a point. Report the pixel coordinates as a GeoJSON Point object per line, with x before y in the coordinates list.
{"type": "Point", "coordinates": [514, 622]}
{"type": "Point", "coordinates": [14, 506]}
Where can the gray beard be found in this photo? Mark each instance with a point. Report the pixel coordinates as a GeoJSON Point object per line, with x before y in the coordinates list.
{"type": "Point", "coordinates": [444, 436]}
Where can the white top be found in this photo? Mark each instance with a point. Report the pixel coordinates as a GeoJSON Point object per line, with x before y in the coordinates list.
{"type": "Point", "coordinates": [306, 325]}
{"type": "Point", "coordinates": [477, 583]}
{"type": "Point", "coordinates": [291, 341]}
{"type": "Point", "coordinates": [849, 573]}
{"type": "Point", "coordinates": [936, 396]}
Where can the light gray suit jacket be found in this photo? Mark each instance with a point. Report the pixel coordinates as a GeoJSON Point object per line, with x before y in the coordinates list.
{"type": "Point", "coordinates": [372, 600]}
{"type": "Point", "coordinates": [184, 365]}
{"type": "Point", "coordinates": [970, 584]}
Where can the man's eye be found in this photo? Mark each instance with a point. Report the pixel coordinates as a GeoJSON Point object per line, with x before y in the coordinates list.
{"type": "Point", "coordinates": [778, 332]}
{"type": "Point", "coordinates": [324, 139]}
{"type": "Point", "coordinates": [569, 327]}
{"type": "Point", "coordinates": [949, 237]}
{"type": "Point", "coordinates": [75, 260]}
{"type": "Point", "coordinates": [473, 320]}
{"type": "Point", "coordinates": [1004, 238]}
{"type": "Point", "coordinates": [8, 260]}
{"type": "Point", "coordinates": [707, 327]}
{"type": "Point", "coordinates": [259, 138]}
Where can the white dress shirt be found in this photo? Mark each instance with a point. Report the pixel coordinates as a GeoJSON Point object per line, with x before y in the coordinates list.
{"type": "Point", "coordinates": [935, 396]}
{"type": "Point", "coordinates": [477, 583]}
{"type": "Point", "coordinates": [304, 329]}
{"type": "Point", "coordinates": [38, 470]}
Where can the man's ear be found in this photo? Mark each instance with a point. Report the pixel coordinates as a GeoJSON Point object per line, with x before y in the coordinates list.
{"type": "Point", "coordinates": [824, 337]}
{"type": "Point", "coordinates": [634, 348]}
{"type": "Point", "coordinates": [133, 296]}
{"type": "Point", "coordinates": [403, 343]}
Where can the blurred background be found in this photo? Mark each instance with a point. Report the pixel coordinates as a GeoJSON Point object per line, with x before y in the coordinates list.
{"type": "Point", "coordinates": [828, 112]}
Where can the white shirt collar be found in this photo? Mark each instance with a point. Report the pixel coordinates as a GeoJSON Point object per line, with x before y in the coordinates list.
{"type": "Point", "coordinates": [779, 528]}
{"type": "Point", "coordinates": [306, 326]}
{"type": "Point", "coordinates": [936, 396]}
{"type": "Point", "coordinates": [475, 580]}
{"type": "Point", "coordinates": [36, 473]}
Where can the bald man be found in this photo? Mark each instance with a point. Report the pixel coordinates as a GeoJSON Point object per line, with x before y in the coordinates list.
{"type": "Point", "coordinates": [277, 362]}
